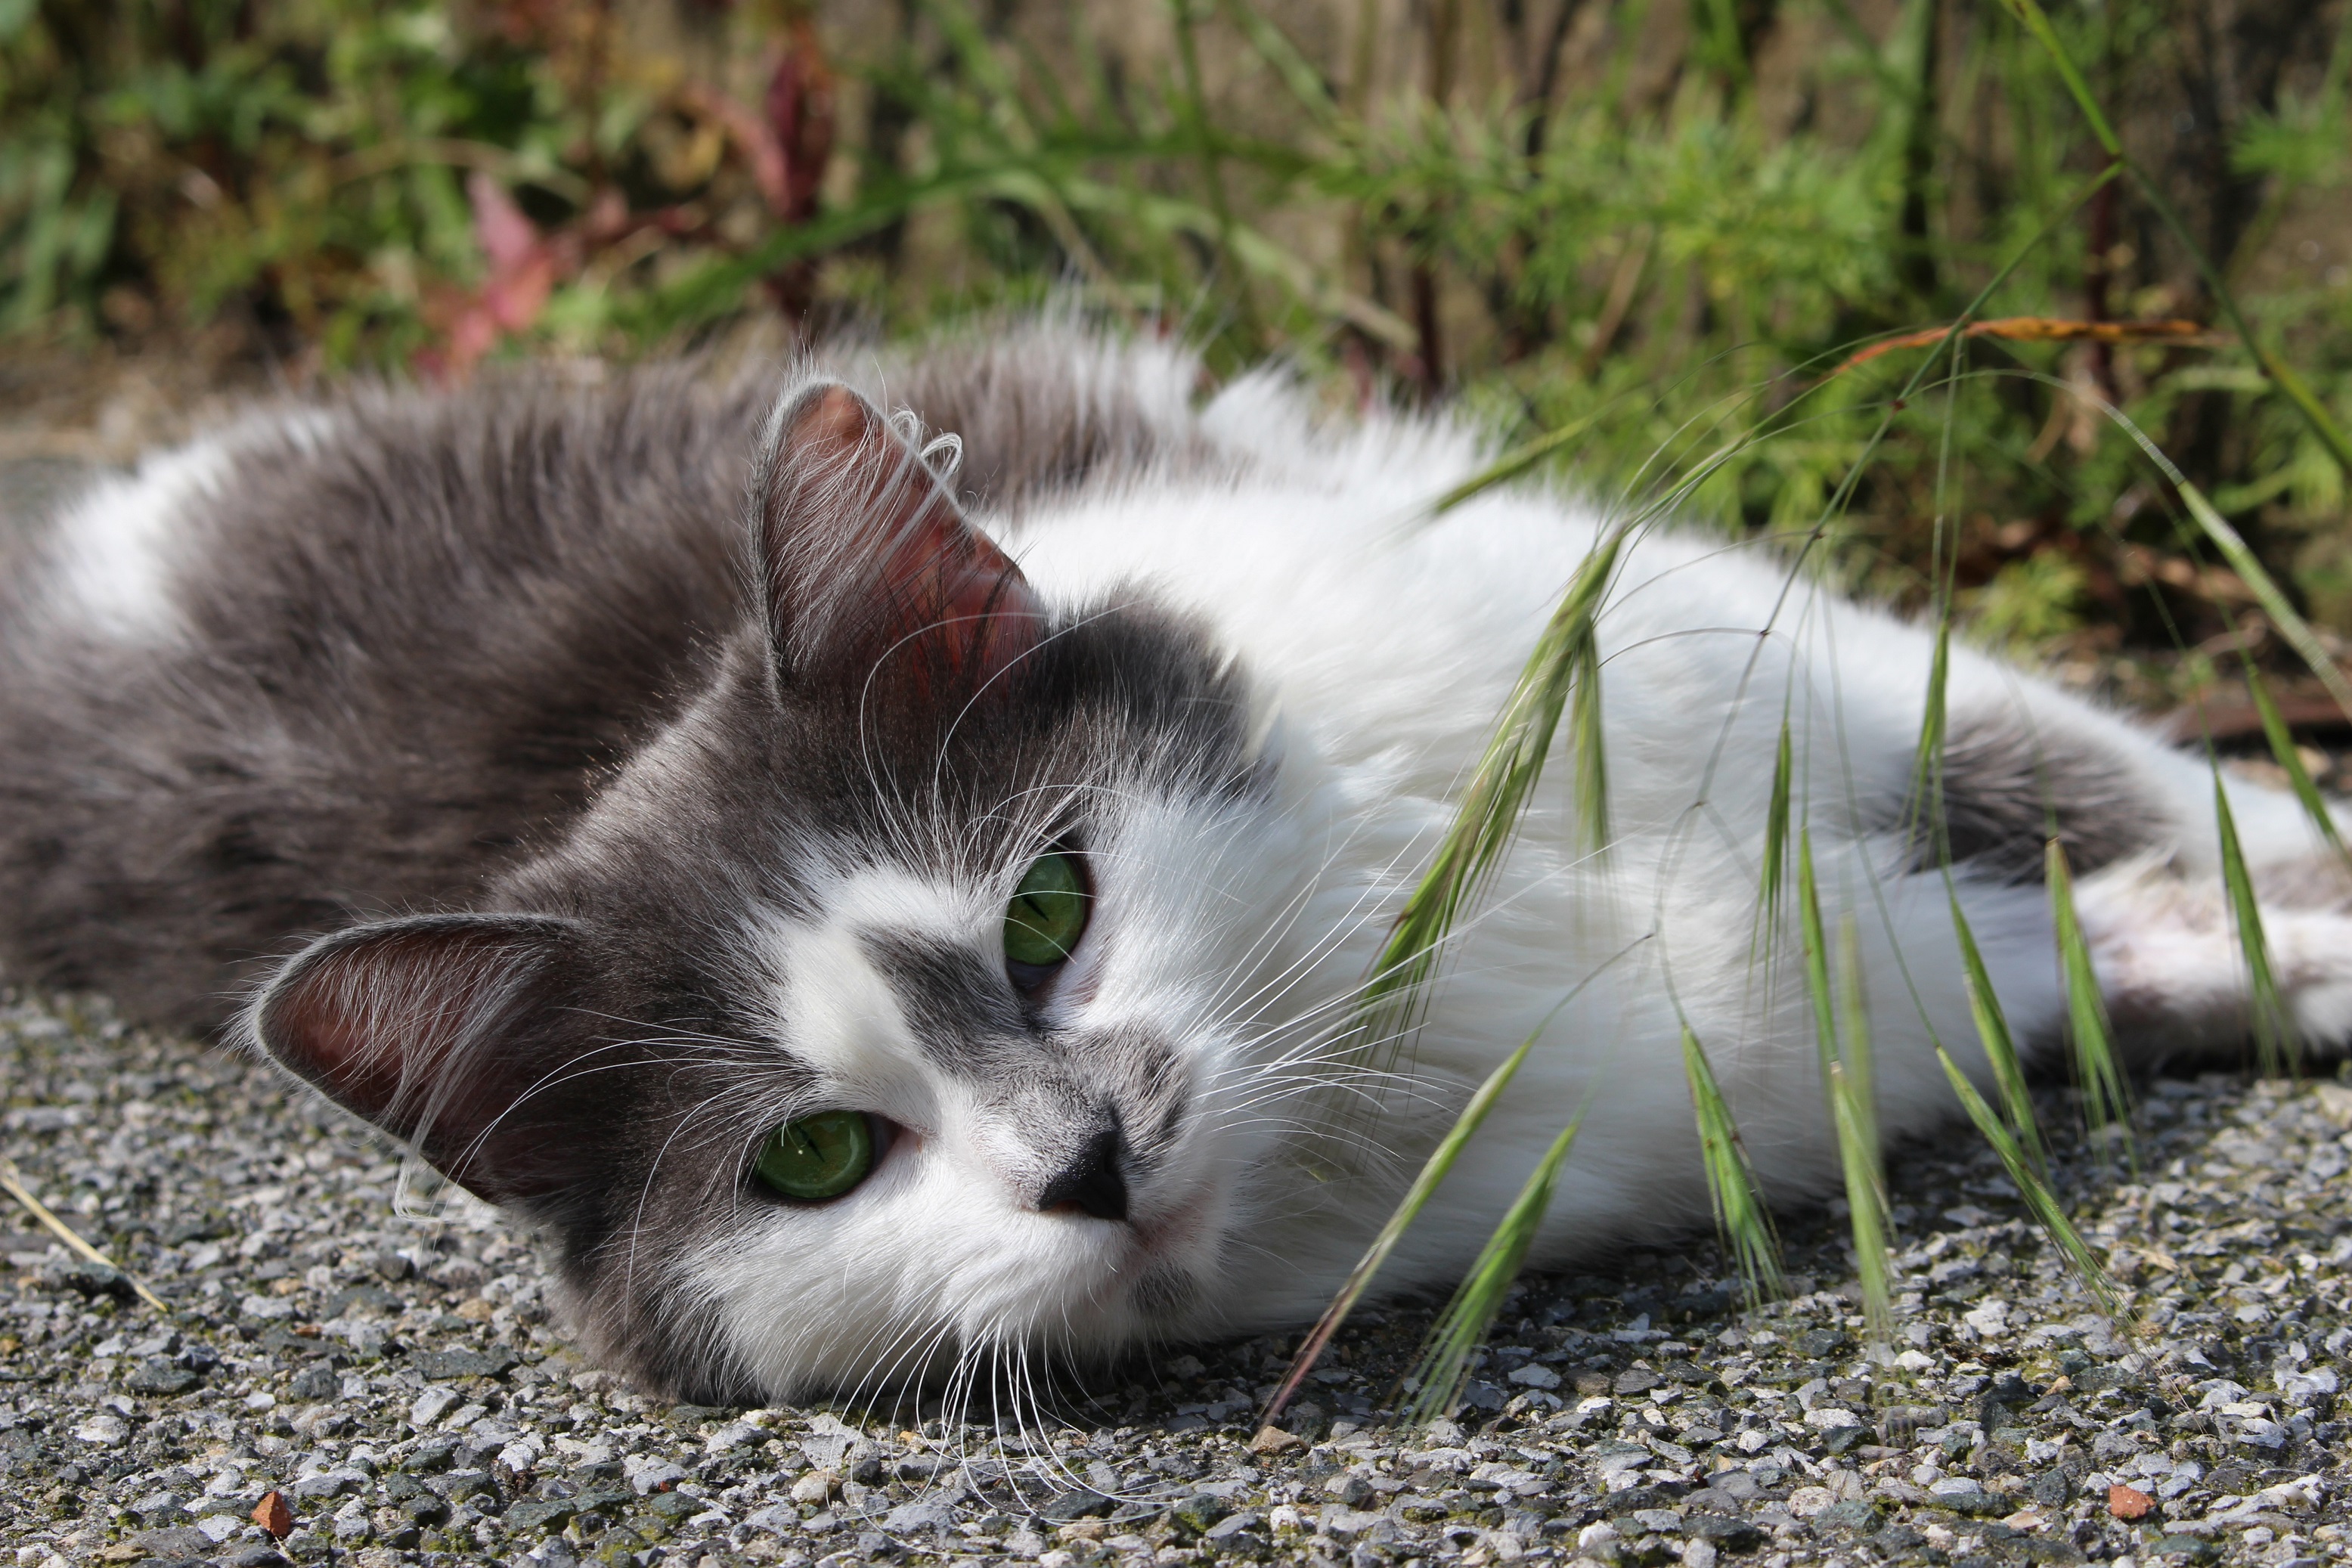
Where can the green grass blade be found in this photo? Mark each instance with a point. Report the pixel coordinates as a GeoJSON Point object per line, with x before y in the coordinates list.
{"type": "Point", "coordinates": [1584, 743]}
{"type": "Point", "coordinates": [2105, 1102]}
{"type": "Point", "coordinates": [1817, 953]}
{"type": "Point", "coordinates": [1776, 848]}
{"type": "Point", "coordinates": [2241, 557]}
{"type": "Point", "coordinates": [1872, 56]}
{"type": "Point", "coordinates": [1298, 74]}
{"type": "Point", "coordinates": [1434, 1172]}
{"type": "Point", "coordinates": [1445, 1365]}
{"type": "Point", "coordinates": [1565, 655]}
{"type": "Point", "coordinates": [1213, 171]}
{"type": "Point", "coordinates": [2036, 22]}
{"type": "Point", "coordinates": [1927, 826]}
{"type": "Point", "coordinates": [1514, 463]}
{"type": "Point", "coordinates": [2001, 1050]}
{"type": "Point", "coordinates": [1854, 1102]}
{"type": "Point", "coordinates": [1741, 1216]}
{"type": "Point", "coordinates": [1853, 1047]}
{"type": "Point", "coordinates": [1866, 1197]}
{"type": "Point", "coordinates": [1846, 1082]}
{"type": "Point", "coordinates": [2284, 377]}
{"type": "Point", "coordinates": [2037, 1194]}
{"type": "Point", "coordinates": [2289, 757]}
{"type": "Point", "coordinates": [2275, 1044]}
{"type": "Point", "coordinates": [2281, 376]}
{"type": "Point", "coordinates": [1945, 345]}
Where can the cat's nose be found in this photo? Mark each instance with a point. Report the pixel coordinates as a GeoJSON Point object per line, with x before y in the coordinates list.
{"type": "Point", "coordinates": [1090, 1184]}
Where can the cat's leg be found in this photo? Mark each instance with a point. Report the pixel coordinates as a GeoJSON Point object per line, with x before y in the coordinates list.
{"type": "Point", "coordinates": [2138, 821]}
{"type": "Point", "coordinates": [2174, 970]}
{"type": "Point", "coordinates": [2167, 947]}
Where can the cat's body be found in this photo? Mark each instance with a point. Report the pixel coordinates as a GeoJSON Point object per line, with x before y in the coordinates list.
{"type": "Point", "coordinates": [689, 827]}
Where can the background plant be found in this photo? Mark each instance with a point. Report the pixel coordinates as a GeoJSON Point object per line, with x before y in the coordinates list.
{"type": "Point", "coordinates": [1662, 223]}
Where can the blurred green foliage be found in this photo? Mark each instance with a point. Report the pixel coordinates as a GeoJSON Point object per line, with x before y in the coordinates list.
{"type": "Point", "coordinates": [1672, 223]}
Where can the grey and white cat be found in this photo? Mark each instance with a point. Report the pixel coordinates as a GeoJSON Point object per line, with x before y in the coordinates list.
{"type": "Point", "coordinates": [865, 927]}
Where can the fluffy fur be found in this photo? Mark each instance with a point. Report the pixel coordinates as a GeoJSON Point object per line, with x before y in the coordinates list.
{"type": "Point", "coordinates": [502, 770]}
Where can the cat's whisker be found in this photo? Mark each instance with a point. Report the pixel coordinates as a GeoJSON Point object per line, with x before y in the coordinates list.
{"type": "Point", "coordinates": [910, 1343]}
{"type": "Point", "coordinates": [1274, 1080]}
{"type": "Point", "coordinates": [1307, 1073]}
{"type": "Point", "coordinates": [1054, 1465]}
{"type": "Point", "coordinates": [1283, 921]}
{"type": "Point", "coordinates": [1372, 896]}
{"type": "Point", "coordinates": [463, 1154]}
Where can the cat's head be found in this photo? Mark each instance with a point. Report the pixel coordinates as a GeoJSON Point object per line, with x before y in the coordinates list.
{"type": "Point", "coordinates": [892, 1006]}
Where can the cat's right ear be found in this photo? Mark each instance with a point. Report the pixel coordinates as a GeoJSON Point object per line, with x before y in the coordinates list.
{"type": "Point", "coordinates": [874, 580]}
{"type": "Point", "coordinates": [449, 1032]}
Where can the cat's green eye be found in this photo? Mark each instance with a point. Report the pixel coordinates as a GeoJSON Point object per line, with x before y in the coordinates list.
{"type": "Point", "coordinates": [1049, 913]}
{"type": "Point", "coordinates": [817, 1157]}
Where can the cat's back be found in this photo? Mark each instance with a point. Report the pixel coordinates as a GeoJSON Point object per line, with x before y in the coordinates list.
{"type": "Point", "coordinates": [344, 658]}
{"type": "Point", "coordinates": [344, 536]}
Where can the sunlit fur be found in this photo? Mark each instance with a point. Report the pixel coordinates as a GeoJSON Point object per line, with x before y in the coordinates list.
{"type": "Point", "coordinates": [1275, 673]}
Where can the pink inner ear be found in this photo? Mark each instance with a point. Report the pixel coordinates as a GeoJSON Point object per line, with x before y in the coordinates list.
{"type": "Point", "coordinates": [379, 1025]}
{"type": "Point", "coordinates": [939, 600]}
{"type": "Point", "coordinates": [963, 597]}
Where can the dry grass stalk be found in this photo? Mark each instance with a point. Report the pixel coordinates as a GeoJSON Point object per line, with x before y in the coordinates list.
{"type": "Point", "coordinates": [14, 1181]}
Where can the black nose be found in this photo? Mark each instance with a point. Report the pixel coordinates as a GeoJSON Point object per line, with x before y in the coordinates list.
{"type": "Point", "coordinates": [1090, 1184]}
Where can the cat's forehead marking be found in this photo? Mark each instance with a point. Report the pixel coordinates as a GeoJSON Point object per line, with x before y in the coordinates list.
{"type": "Point", "coordinates": [888, 898]}
{"type": "Point", "coordinates": [839, 1009]}
{"type": "Point", "coordinates": [959, 1006]}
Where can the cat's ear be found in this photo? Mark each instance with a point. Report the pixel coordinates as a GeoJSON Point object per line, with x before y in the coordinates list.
{"type": "Point", "coordinates": [446, 1031]}
{"type": "Point", "coordinates": [872, 575]}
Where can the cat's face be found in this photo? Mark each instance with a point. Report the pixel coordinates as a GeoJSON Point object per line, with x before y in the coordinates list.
{"type": "Point", "coordinates": [897, 1009]}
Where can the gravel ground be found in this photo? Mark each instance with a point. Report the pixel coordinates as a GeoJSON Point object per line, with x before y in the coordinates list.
{"type": "Point", "coordinates": [391, 1370]}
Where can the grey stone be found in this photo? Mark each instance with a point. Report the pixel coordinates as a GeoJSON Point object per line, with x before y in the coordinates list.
{"type": "Point", "coordinates": [1200, 1513]}
{"type": "Point", "coordinates": [936, 1511]}
{"type": "Point", "coordinates": [462, 1363]}
{"type": "Point", "coordinates": [1078, 1503]}
{"type": "Point", "coordinates": [178, 1543]}
{"type": "Point", "coordinates": [1855, 1515]}
{"type": "Point", "coordinates": [327, 1484]}
{"type": "Point", "coordinates": [161, 1375]}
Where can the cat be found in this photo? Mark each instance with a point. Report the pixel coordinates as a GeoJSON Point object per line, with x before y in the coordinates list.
{"type": "Point", "coordinates": [876, 901]}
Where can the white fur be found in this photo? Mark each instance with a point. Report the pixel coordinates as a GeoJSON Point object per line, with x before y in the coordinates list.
{"type": "Point", "coordinates": [113, 553]}
{"type": "Point", "coordinates": [1378, 651]}
{"type": "Point", "coordinates": [114, 550]}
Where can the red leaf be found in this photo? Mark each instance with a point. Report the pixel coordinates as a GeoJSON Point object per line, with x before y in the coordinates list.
{"type": "Point", "coordinates": [800, 117]}
{"type": "Point", "coordinates": [524, 267]}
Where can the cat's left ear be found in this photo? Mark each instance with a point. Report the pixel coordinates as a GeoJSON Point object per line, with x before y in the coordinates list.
{"type": "Point", "coordinates": [873, 576]}
{"type": "Point", "coordinates": [451, 1033]}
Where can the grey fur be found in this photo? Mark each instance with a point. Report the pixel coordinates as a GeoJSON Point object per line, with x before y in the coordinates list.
{"type": "Point", "coordinates": [2007, 790]}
